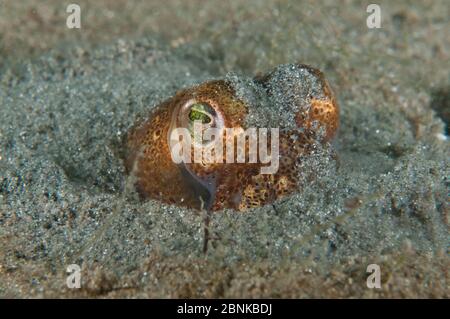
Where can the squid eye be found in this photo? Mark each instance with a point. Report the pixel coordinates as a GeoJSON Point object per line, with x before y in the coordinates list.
{"type": "Point", "coordinates": [201, 112]}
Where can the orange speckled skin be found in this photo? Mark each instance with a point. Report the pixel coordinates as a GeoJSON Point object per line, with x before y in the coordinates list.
{"type": "Point", "coordinates": [216, 186]}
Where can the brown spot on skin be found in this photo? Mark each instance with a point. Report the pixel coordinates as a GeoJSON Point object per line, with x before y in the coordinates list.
{"type": "Point", "coordinates": [326, 114]}
{"type": "Point", "coordinates": [220, 185]}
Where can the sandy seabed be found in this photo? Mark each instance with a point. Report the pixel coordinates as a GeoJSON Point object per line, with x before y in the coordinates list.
{"type": "Point", "coordinates": [67, 98]}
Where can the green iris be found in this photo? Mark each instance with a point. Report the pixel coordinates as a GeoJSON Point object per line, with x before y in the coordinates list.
{"type": "Point", "coordinates": [200, 112]}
